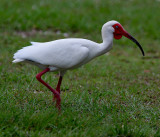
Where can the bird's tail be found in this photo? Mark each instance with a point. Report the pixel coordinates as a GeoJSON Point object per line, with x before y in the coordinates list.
{"type": "Point", "coordinates": [17, 60]}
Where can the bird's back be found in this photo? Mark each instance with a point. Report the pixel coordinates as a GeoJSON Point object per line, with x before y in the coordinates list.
{"type": "Point", "coordinates": [63, 53]}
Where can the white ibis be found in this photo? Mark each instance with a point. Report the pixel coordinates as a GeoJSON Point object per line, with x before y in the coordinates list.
{"type": "Point", "coordinates": [66, 54]}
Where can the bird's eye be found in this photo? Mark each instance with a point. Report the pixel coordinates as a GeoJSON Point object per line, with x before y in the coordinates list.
{"type": "Point", "coordinates": [117, 27]}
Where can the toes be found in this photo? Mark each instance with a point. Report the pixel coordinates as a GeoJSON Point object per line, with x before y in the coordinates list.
{"type": "Point", "coordinates": [57, 98]}
{"type": "Point", "coordinates": [58, 103]}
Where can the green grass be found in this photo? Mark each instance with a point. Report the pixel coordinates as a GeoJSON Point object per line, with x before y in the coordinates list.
{"type": "Point", "coordinates": [114, 95]}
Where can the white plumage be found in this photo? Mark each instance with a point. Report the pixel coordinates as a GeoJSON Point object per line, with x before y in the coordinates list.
{"type": "Point", "coordinates": [61, 54]}
{"type": "Point", "coordinates": [64, 54]}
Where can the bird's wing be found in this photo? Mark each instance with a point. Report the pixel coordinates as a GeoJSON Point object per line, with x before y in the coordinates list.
{"type": "Point", "coordinates": [61, 55]}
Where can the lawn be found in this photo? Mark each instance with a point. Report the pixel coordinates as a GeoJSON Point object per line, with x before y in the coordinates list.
{"type": "Point", "coordinates": [117, 94]}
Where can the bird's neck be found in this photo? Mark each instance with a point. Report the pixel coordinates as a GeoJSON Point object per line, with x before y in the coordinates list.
{"type": "Point", "coordinates": [107, 43]}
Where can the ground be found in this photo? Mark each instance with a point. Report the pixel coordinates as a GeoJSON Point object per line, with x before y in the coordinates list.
{"type": "Point", "coordinates": [117, 94]}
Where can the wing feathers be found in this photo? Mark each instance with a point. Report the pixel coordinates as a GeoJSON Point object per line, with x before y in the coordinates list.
{"type": "Point", "coordinates": [59, 56]}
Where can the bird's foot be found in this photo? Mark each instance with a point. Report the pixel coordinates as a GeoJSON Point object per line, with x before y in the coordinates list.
{"type": "Point", "coordinates": [57, 98]}
{"type": "Point", "coordinates": [54, 96]}
{"type": "Point", "coordinates": [58, 104]}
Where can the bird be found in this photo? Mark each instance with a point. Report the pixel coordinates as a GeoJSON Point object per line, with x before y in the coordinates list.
{"type": "Point", "coordinates": [69, 53]}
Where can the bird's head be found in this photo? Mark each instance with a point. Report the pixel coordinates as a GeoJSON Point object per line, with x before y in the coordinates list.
{"type": "Point", "coordinates": [118, 31]}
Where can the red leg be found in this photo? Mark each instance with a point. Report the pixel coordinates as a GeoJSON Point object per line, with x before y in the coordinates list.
{"type": "Point", "coordinates": [56, 94]}
{"type": "Point", "coordinates": [58, 86]}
